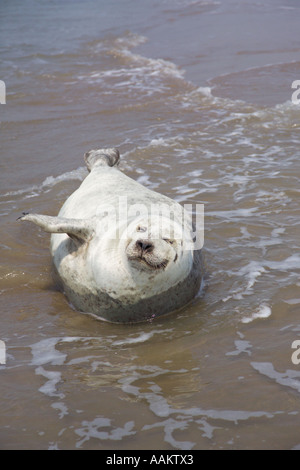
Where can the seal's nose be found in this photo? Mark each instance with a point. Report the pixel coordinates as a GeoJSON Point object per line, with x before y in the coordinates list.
{"type": "Point", "coordinates": [146, 246]}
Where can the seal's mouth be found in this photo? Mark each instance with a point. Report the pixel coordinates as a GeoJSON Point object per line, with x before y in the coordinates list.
{"type": "Point", "coordinates": [144, 260]}
{"type": "Point", "coordinates": [155, 265]}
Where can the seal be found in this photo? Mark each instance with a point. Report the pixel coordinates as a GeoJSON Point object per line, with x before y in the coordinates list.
{"type": "Point", "coordinates": [120, 250]}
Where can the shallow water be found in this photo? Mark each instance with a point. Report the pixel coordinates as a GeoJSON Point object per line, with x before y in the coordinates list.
{"type": "Point", "coordinates": [197, 96]}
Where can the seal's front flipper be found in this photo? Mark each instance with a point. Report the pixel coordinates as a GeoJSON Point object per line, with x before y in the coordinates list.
{"type": "Point", "coordinates": [101, 157]}
{"type": "Point", "coordinates": [80, 230]}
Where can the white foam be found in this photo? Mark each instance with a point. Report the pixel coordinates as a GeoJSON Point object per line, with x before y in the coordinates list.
{"type": "Point", "coordinates": [49, 183]}
{"type": "Point", "coordinates": [242, 346]}
{"type": "Point", "coordinates": [292, 301]}
{"type": "Point", "coordinates": [183, 417]}
{"type": "Point", "coordinates": [277, 231]}
{"type": "Point", "coordinates": [77, 174]}
{"type": "Point", "coordinates": [97, 429]}
{"type": "Point", "coordinates": [145, 180]}
{"type": "Point", "coordinates": [264, 311]}
{"type": "Point", "coordinates": [60, 407]}
{"type": "Point", "coordinates": [159, 141]}
{"type": "Point", "coordinates": [245, 233]}
{"type": "Point", "coordinates": [49, 388]}
{"type": "Point", "coordinates": [143, 75]}
{"type": "Point", "coordinates": [137, 74]}
{"type": "Point", "coordinates": [206, 91]}
{"type": "Point", "coordinates": [290, 263]}
{"type": "Point", "coordinates": [195, 173]}
{"type": "Point", "coordinates": [234, 214]}
{"type": "Point", "coordinates": [139, 339]}
{"type": "Point", "coordinates": [131, 40]}
{"type": "Point", "coordinates": [289, 378]}
{"type": "Point", "coordinates": [252, 271]}
{"type": "Point", "coordinates": [44, 352]}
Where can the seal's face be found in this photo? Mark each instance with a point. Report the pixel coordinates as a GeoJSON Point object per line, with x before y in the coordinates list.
{"type": "Point", "coordinates": [153, 245]}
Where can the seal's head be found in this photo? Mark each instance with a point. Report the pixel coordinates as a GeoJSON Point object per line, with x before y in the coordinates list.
{"type": "Point", "coordinates": [155, 245]}
{"type": "Point", "coordinates": [148, 253]}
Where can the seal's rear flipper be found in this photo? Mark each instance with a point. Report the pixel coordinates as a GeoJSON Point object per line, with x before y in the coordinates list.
{"type": "Point", "coordinates": [80, 230]}
{"type": "Point", "coordinates": [101, 157]}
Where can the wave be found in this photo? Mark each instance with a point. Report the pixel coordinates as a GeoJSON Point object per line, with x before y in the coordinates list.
{"type": "Point", "coordinates": [132, 74]}
{"type": "Point", "coordinates": [47, 184]}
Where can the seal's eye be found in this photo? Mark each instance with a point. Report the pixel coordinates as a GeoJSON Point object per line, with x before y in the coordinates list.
{"type": "Point", "coordinates": [140, 228]}
{"type": "Point", "coordinates": [168, 240]}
